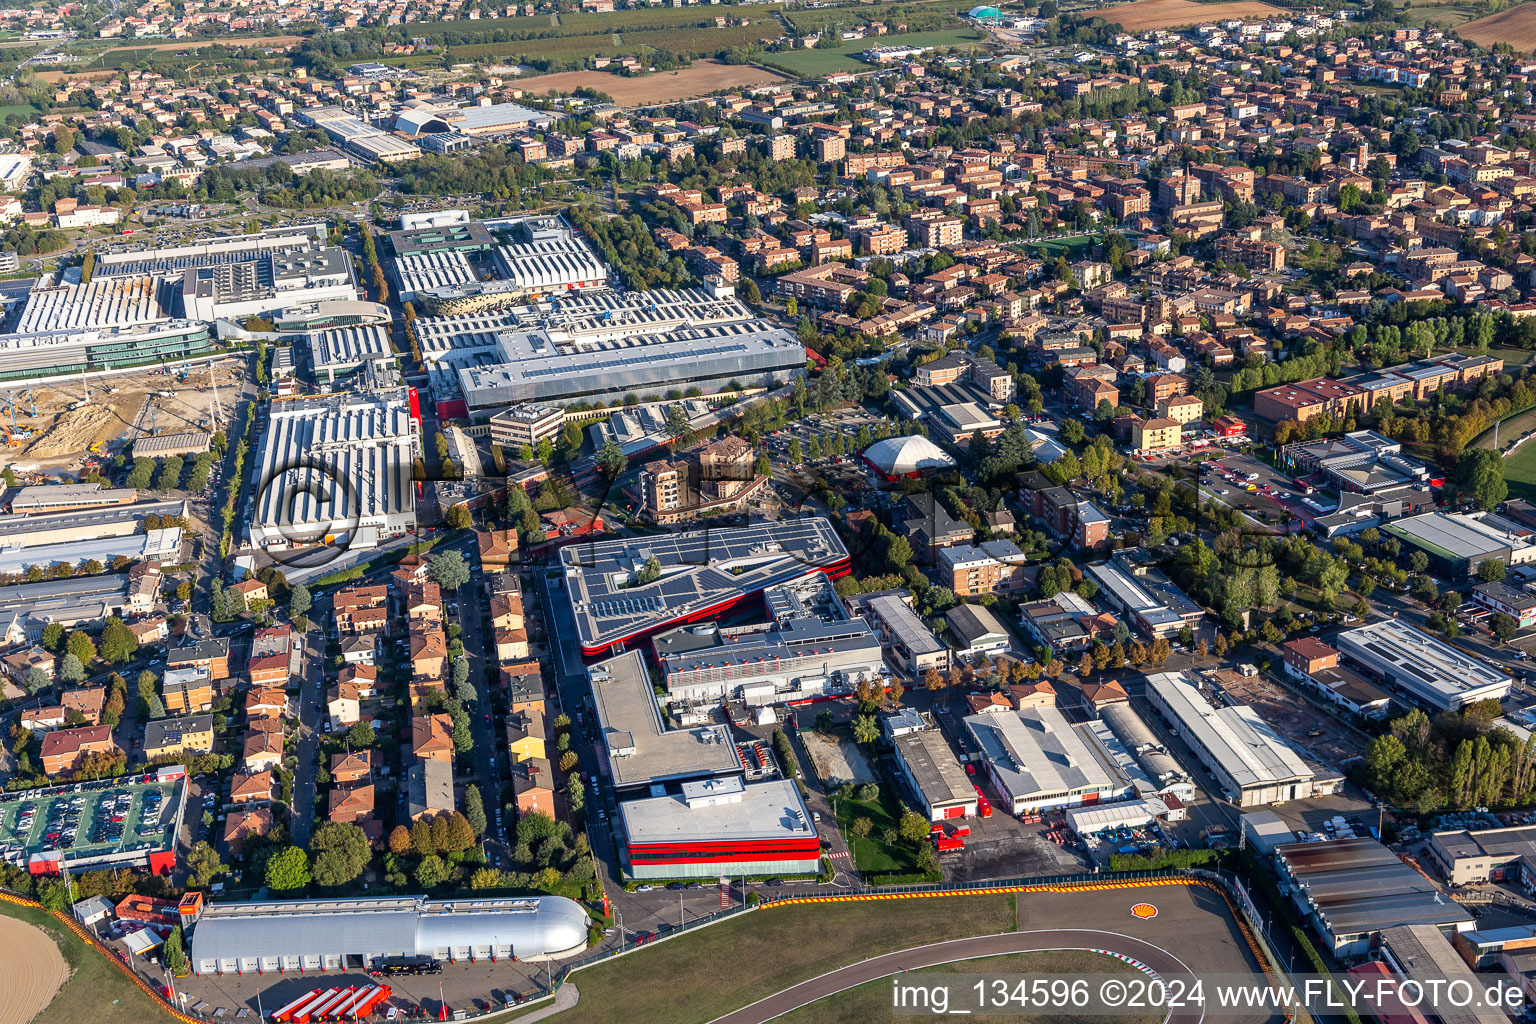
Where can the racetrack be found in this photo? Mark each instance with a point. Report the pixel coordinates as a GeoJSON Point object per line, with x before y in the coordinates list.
{"type": "Point", "coordinates": [1195, 921]}
{"type": "Point", "coordinates": [1164, 963]}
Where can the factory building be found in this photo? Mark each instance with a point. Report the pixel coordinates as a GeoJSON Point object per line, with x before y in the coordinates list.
{"type": "Point", "coordinates": [604, 346]}
{"type": "Point", "coordinates": [703, 573]}
{"type": "Point", "coordinates": [909, 642]}
{"type": "Point", "coordinates": [929, 767]}
{"type": "Point", "coordinates": [1150, 601]}
{"type": "Point", "coordinates": [343, 350]}
{"type": "Point", "coordinates": [73, 351]}
{"type": "Point", "coordinates": [104, 302]}
{"type": "Point", "coordinates": [459, 268]}
{"type": "Point", "coordinates": [78, 525]}
{"type": "Point", "coordinates": [1428, 671]}
{"type": "Point", "coordinates": [1250, 761]}
{"type": "Point", "coordinates": [27, 608]}
{"type": "Point", "coordinates": [335, 468]}
{"type": "Point", "coordinates": [172, 261]}
{"type": "Point", "coordinates": [810, 649]}
{"type": "Point", "coordinates": [267, 282]}
{"type": "Point", "coordinates": [1458, 542]}
{"type": "Point", "coordinates": [355, 138]}
{"type": "Point", "coordinates": [1167, 774]}
{"type": "Point", "coordinates": [349, 934]}
{"type": "Point", "coordinates": [1351, 890]}
{"type": "Point", "coordinates": [1037, 760]}
{"type": "Point", "coordinates": [721, 826]}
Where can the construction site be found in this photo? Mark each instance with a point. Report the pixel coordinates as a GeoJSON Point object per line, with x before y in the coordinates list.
{"type": "Point", "coordinates": [68, 422]}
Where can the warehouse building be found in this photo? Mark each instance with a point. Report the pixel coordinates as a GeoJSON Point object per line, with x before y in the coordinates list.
{"type": "Point", "coordinates": [810, 649]}
{"type": "Point", "coordinates": [353, 137]}
{"type": "Point", "coordinates": [1250, 761]}
{"type": "Point", "coordinates": [1351, 890]}
{"type": "Point", "coordinates": [351, 934]}
{"type": "Point", "coordinates": [1426, 670]}
{"type": "Point", "coordinates": [162, 545]}
{"type": "Point", "coordinates": [721, 826]}
{"type": "Point", "coordinates": [343, 350]}
{"type": "Point", "coordinates": [163, 446]}
{"type": "Point", "coordinates": [703, 573]}
{"type": "Point", "coordinates": [1427, 955]}
{"type": "Point", "coordinates": [1038, 761]}
{"type": "Point", "coordinates": [1486, 855]}
{"type": "Point", "coordinates": [603, 346]}
{"type": "Point", "coordinates": [420, 273]}
{"type": "Point", "coordinates": [335, 467]}
{"type": "Point", "coordinates": [1162, 768]}
{"type": "Point", "coordinates": [928, 765]}
{"type": "Point", "coordinates": [1458, 542]}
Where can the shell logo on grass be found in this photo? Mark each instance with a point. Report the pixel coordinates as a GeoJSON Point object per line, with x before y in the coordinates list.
{"type": "Point", "coordinates": [1144, 911]}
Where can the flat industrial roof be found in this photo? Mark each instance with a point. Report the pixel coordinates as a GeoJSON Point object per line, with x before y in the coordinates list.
{"type": "Point", "coordinates": [721, 811]}
{"type": "Point", "coordinates": [1247, 747]}
{"type": "Point", "coordinates": [1427, 666]}
{"type": "Point", "coordinates": [1461, 535]}
{"type": "Point", "coordinates": [638, 747]}
{"type": "Point", "coordinates": [905, 625]}
{"type": "Point", "coordinates": [14, 529]}
{"type": "Point", "coordinates": [1358, 885]}
{"type": "Point", "coordinates": [701, 571]}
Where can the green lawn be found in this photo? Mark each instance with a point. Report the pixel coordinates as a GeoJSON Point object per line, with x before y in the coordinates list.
{"type": "Point", "coordinates": [1063, 246]}
{"type": "Point", "coordinates": [1520, 472]}
{"type": "Point", "coordinates": [872, 1001]}
{"type": "Point", "coordinates": [24, 109]}
{"type": "Point", "coordinates": [698, 977]}
{"type": "Point", "coordinates": [97, 992]}
{"type": "Point", "coordinates": [871, 855]}
{"type": "Point", "coordinates": [818, 63]}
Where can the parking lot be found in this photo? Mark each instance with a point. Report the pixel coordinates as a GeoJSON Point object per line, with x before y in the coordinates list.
{"type": "Point", "coordinates": [103, 818]}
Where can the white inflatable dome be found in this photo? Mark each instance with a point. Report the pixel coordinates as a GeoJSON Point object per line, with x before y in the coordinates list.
{"type": "Point", "coordinates": [899, 456]}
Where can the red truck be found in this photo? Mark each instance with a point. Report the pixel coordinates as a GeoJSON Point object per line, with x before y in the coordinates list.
{"type": "Point", "coordinates": [960, 830]}
{"type": "Point", "coordinates": [949, 844]}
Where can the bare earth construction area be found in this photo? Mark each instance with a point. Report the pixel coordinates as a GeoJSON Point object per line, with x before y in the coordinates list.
{"type": "Point", "coordinates": [698, 79]}
{"type": "Point", "coordinates": [1145, 15]}
{"type": "Point", "coordinates": [31, 973]}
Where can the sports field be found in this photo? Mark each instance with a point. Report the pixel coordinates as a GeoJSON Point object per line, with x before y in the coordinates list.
{"type": "Point", "coordinates": [1520, 472]}
{"type": "Point", "coordinates": [819, 63]}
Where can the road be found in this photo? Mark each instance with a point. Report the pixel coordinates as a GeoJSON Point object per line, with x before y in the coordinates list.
{"type": "Point", "coordinates": [311, 710]}
{"type": "Point", "coordinates": [483, 721]}
{"type": "Point", "coordinates": [932, 955]}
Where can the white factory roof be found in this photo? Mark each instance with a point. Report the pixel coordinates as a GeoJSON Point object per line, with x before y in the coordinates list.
{"type": "Point", "coordinates": [349, 346]}
{"type": "Point", "coordinates": [109, 302]}
{"type": "Point", "coordinates": [1422, 664]}
{"type": "Point", "coordinates": [1463, 535]}
{"type": "Point", "coordinates": [331, 465]}
{"type": "Point", "coordinates": [638, 747]}
{"type": "Point", "coordinates": [542, 265]}
{"type": "Point", "coordinates": [1247, 747]}
{"type": "Point", "coordinates": [1037, 752]}
{"type": "Point", "coordinates": [493, 116]}
{"type": "Point", "coordinates": [719, 810]}
{"type": "Point", "coordinates": [426, 271]}
{"type": "Point", "coordinates": [164, 545]}
{"type": "Point", "coordinates": [410, 925]}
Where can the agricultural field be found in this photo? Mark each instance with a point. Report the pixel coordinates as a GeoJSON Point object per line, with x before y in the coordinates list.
{"type": "Point", "coordinates": [646, 19]}
{"type": "Point", "coordinates": [1516, 26]}
{"type": "Point", "coordinates": [193, 45]}
{"type": "Point", "coordinates": [698, 79]}
{"type": "Point", "coordinates": [918, 17]}
{"type": "Point", "coordinates": [1145, 15]}
{"type": "Point", "coordinates": [1449, 14]}
{"type": "Point", "coordinates": [580, 47]}
{"type": "Point", "coordinates": [818, 63]}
